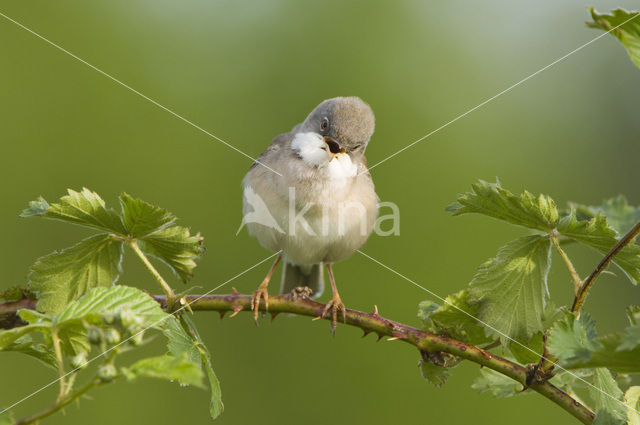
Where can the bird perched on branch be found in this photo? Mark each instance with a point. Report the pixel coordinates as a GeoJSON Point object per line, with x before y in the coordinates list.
{"type": "Point", "coordinates": [319, 198]}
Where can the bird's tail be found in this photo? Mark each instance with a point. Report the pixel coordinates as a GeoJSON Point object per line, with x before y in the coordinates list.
{"type": "Point", "coordinates": [310, 275]}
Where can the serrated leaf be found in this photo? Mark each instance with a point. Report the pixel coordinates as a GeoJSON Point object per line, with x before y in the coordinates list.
{"type": "Point", "coordinates": [496, 384]}
{"type": "Point", "coordinates": [577, 345]}
{"type": "Point", "coordinates": [176, 247]}
{"type": "Point", "coordinates": [632, 400]}
{"type": "Point", "coordinates": [141, 218]}
{"type": "Point", "coordinates": [100, 301]}
{"type": "Point", "coordinates": [572, 339]}
{"type": "Point", "coordinates": [492, 200]}
{"type": "Point", "coordinates": [628, 33]}
{"type": "Point", "coordinates": [597, 234]}
{"type": "Point", "coordinates": [85, 208]}
{"type": "Point", "coordinates": [606, 395]}
{"type": "Point", "coordinates": [167, 367]}
{"type": "Point", "coordinates": [448, 318]}
{"type": "Point", "coordinates": [215, 407]}
{"type": "Point", "coordinates": [26, 345]}
{"type": "Point", "coordinates": [63, 276]}
{"type": "Point", "coordinates": [620, 215]}
{"type": "Point", "coordinates": [179, 342]}
{"type": "Point", "coordinates": [510, 290]}
{"type": "Point", "coordinates": [436, 375]}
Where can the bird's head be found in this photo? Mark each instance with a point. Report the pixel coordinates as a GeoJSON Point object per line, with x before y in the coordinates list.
{"type": "Point", "coordinates": [345, 125]}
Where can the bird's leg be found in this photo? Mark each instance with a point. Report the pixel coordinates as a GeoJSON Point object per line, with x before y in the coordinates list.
{"type": "Point", "coordinates": [262, 292]}
{"type": "Point", "coordinates": [335, 304]}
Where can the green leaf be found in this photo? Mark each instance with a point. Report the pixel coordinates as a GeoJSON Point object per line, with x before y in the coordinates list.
{"type": "Point", "coordinates": [448, 318]}
{"type": "Point", "coordinates": [605, 418]}
{"type": "Point", "coordinates": [631, 339]}
{"type": "Point", "coordinates": [620, 215]}
{"type": "Point", "coordinates": [102, 305]}
{"type": "Point", "coordinates": [176, 247]}
{"type": "Point", "coordinates": [632, 400]}
{"type": "Point", "coordinates": [141, 218]}
{"type": "Point", "coordinates": [607, 396]}
{"type": "Point", "coordinates": [531, 351]}
{"type": "Point", "coordinates": [14, 293]}
{"type": "Point", "coordinates": [179, 341]}
{"type": "Point", "coordinates": [10, 335]}
{"type": "Point", "coordinates": [628, 33]}
{"type": "Point", "coordinates": [101, 301]}
{"type": "Point", "coordinates": [437, 375]}
{"type": "Point", "coordinates": [216, 407]}
{"type": "Point", "coordinates": [576, 343]}
{"type": "Point", "coordinates": [26, 345]}
{"type": "Point", "coordinates": [492, 200]}
{"type": "Point", "coordinates": [497, 384]}
{"type": "Point", "coordinates": [85, 208]}
{"type": "Point", "coordinates": [572, 339]}
{"type": "Point", "coordinates": [597, 234]}
{"type": "Point", "coordinates": [510, 290]}
{"type": "Point", "coordinates": [167, 367]}
{"type": "Point", "coordinates": [63, 276]}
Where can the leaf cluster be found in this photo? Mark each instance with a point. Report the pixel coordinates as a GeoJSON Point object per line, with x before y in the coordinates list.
{"type": "Point", "coordinates": [83, 317]}
{"type": "Point", "coordinates": [508, 301]}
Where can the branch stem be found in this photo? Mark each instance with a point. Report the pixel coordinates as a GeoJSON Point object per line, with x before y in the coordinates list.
{"type": "Point", "coordinates": [57, 349]}
{"type": "Point", "coordinates": [373, 322]}
{"type": "Point", "coordinates": [59, 404]}
{"type": "Point", "coordinates": [588, 282]}
{"type": "Point", "coordinates": [577, 282]}
{"type": "Point", "coordinates": [171, 296]}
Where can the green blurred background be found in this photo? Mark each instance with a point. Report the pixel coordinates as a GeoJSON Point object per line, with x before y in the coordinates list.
{"type": "Point", "coordinates": [247, 71]}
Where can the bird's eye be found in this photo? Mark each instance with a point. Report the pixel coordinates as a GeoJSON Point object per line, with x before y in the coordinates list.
{"type": "Point", "coordinates": [324, 124]}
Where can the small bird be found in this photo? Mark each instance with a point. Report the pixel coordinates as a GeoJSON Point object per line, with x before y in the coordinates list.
{"type": "Point", "coordinates": [324, 201]}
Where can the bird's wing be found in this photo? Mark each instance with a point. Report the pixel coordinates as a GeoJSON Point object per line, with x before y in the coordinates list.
{"type": "Point", "coordinates": [270, 155]}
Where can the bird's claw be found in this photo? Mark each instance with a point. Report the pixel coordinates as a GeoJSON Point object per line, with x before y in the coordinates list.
{"type": "Point", "coordinates": [335, 305]}
{"type": "Point", "coordinates": [260, 293]}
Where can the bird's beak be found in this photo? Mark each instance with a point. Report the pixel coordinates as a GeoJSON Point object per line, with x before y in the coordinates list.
{"type": "Point", "coordinates": [335, 147]}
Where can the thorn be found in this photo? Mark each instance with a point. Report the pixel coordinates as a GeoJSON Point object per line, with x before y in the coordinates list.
{"type": "Point", "coordinates": [236, 310]}
{"type": "Point", "coordinates": [397, 335]}
{"type": "Point", "coordinates": [316, 318]}
{"type": "Point", "coordinates": [273, 316]}
{"type": "Point", "coordinates": [365, 332]}
{"type": "Point", "coordinates": [379, 337]}
{"type": "Point", "coordinates": [234, 291]}
{"type": "Point", "coordinates": [185, 304]}
{"type": "Point", "coordinates": [375, 311]}
{"type": "Point", "coordinates": [222, 313]}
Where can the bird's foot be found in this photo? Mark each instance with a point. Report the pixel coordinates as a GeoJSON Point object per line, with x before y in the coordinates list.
{"type": "Point", "coordinates": [334, 306]}
{"type": "Point", "coordinates": [260, 293]}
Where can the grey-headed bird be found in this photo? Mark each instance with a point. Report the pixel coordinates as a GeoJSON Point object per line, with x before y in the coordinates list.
{"type": "Point", "coordinates": [324, 201]}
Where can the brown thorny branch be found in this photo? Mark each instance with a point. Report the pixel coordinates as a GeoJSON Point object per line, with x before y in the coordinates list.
{"type": "Point", "coordinates": [430, 345]}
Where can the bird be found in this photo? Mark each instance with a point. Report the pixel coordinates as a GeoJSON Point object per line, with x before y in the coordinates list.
{"type": "Point", "coordinates": [320, 196]}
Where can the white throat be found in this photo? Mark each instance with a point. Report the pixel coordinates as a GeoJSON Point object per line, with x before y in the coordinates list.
{"type": "Point", "coordinates": [314, 152]}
